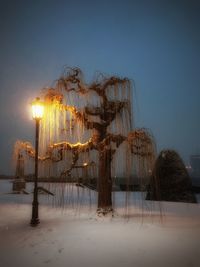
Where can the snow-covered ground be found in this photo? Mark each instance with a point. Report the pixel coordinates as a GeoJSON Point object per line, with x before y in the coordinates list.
{"type": "Point", "coordinates": [76, 236]}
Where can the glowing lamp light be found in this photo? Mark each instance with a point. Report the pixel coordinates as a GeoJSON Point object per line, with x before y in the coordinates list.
{"type": "Point", "coordinates": [37, 109]}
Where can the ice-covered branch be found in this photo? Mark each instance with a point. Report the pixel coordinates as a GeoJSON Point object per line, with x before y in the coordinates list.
{"type": "Point", "coordinates": [69, 146]}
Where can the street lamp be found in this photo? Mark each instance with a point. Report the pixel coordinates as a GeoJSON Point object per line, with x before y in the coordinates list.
{"type": "Point", "coordinates": [37, 113]}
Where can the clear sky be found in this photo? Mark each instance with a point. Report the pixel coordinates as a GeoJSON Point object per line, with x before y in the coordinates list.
{"type": "Point", "coordinates": [154, 43]}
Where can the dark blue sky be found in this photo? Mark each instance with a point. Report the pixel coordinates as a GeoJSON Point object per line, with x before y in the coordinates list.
{"type": "Point", "coordinates": [155, 43]}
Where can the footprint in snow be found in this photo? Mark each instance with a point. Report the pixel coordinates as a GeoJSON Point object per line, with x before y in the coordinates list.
{"type": "Point", "coordinates": [60, 250]}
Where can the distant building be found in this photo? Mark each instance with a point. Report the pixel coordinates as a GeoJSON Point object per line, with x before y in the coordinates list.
{"type": "Point", "coordinates": [195, 164]}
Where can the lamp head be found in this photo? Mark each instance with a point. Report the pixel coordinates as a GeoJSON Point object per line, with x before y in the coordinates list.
{"type": "Point", "coordinates": [37, 109]}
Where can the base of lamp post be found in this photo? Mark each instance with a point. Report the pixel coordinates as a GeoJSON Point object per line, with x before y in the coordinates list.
{"type": "Point", "coordinates": [34, 222]}
{"type": "Point", "coordinates": [35, 218]}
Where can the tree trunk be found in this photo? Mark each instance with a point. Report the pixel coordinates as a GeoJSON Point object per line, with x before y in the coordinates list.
{"type": "Point", "coordinates": [105, 182]}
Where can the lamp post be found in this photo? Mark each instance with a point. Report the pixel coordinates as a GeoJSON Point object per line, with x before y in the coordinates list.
{"type": "Point", "coordinates": [37, 113]}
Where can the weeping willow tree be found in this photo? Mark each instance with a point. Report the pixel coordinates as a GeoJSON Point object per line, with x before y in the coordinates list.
{"type": "Point", "coordinates": [85, 125]}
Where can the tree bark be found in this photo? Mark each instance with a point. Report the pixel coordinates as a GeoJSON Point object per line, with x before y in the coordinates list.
{"type": "Point", "coordinates": [105, 181]}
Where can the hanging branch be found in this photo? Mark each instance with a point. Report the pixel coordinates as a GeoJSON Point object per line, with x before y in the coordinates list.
{"type": "Point", "coordinates": [75, 158]}
{"type": "Point", "coordinates": [141, 143]}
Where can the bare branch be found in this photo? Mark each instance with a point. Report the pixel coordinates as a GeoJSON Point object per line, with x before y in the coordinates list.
{"type": "Point", "coordinates": [112, 81]}
{"type": "Point", "coordinates": [28, 149]}
{"type": "Point", "coordinates": [115, 138]}
{"type": "Point", "coordinates": [94, 111]}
